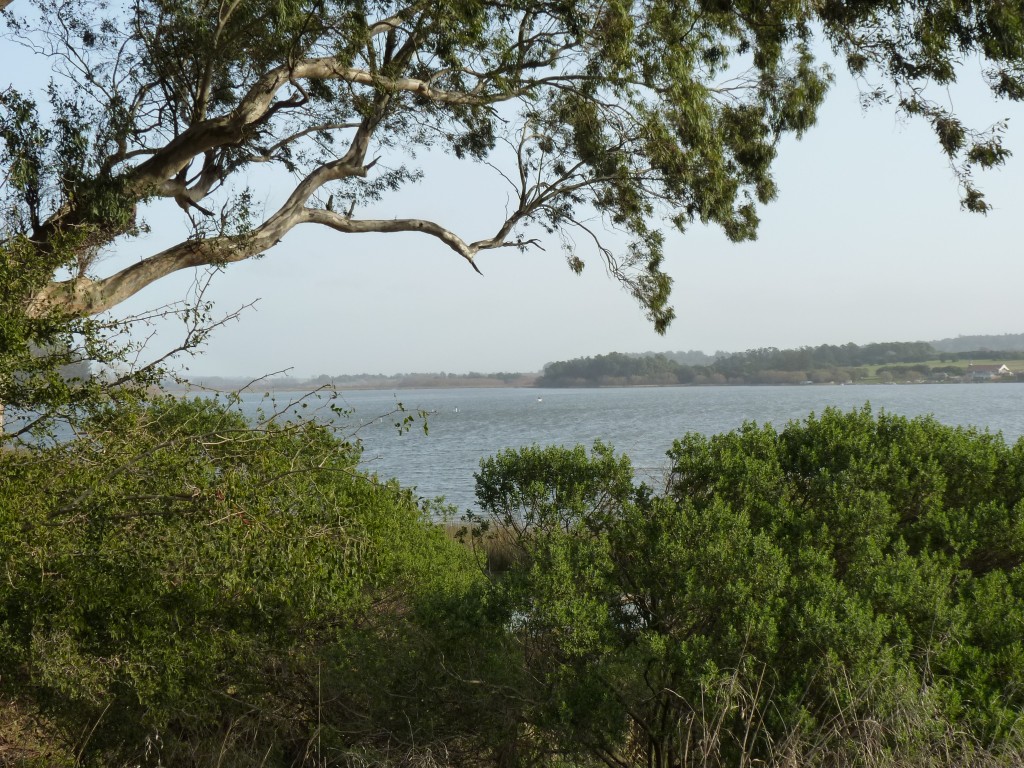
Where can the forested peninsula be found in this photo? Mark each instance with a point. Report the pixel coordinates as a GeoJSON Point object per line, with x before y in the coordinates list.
{"type": "Point", "coordinates": [879, 363]}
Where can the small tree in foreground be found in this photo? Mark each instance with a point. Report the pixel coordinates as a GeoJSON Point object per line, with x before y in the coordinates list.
{"type": "Point", "coordinates": [846, 591]}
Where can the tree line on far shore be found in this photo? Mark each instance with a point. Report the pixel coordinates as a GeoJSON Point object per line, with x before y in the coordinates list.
{"type": "Point", "coordinates": [847, 363]}
{"type": "Point", "coordinates": [882, 362]}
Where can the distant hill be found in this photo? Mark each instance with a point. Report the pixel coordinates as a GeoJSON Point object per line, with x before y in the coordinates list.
{"type": "Point", "coordinates": [990, 343]}
{"type": "Point", "coordinates": [1006, 342]}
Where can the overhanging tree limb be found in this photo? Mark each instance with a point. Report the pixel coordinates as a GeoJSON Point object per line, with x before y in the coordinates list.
{"type": "Point", "coordinates": [589, 110]}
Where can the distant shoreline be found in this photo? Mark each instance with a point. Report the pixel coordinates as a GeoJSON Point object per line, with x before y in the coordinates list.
{"type": "Point", "coordinates": [961, 360]}
{"type": "Point", "coordinates": [382, 387]}
{"type": "Point", "coordinates": [418, 381]}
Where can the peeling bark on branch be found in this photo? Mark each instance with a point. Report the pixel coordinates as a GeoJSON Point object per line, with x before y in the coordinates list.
{"type": "Point", "coordinates": [84, 295]}
{"type": "Point", "coordinates": [341, 223]}
{"type": "Point", "coordinates": [88, 296]}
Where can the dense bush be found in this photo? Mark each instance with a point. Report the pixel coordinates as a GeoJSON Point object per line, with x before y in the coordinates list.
{"type": "Point", "coordinates": [180, 588]}
{"type": "Point", "coordinates": [846, 591]}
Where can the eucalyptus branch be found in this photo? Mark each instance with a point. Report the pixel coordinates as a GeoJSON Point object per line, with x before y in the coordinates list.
{"type": "Point", "coordinates": [694, 128]}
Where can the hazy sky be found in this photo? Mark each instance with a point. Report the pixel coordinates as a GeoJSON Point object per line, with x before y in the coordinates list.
{"type": "Point", "coordinates": [866, 242]}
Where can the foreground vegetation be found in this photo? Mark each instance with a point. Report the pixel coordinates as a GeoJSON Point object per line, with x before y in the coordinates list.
{"type": "Point", "coordinates": [183, 589]}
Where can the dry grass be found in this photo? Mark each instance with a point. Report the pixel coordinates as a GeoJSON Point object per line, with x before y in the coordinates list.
{"type": "Point", "coordinates": [27, 740]}
{"type": "Point", "coordinates": [494, 548]}
{"type": "Point", "coordinates": [726, 727]}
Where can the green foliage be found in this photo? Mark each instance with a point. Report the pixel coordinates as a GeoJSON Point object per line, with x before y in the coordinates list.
{"type": "Point", "coordinates": [650, 114]}
{"type": "Point", "coordinates": [179, 584]}
{"type": "Point", "coordinates": [183, 588]}
{"type": "Point", "coordinates": [847, 591]}
{"type": "Point", "coordinates": [51, 357]}
{"type": "Point", "coordinates": [767, 365]}
{"type": "Point", "coordinates": [614, 369]}
{"type": "Point", "coordinates": [32, 349]}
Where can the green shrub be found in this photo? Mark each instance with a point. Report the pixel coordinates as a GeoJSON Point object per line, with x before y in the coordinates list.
{"type": "Point", "coordinates": [848, 591]}
{"type": "Point", "coordinates": [182, 588]}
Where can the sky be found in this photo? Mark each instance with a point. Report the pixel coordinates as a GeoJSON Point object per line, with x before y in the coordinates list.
{"type": "Point", "coordinates": [866, 242]}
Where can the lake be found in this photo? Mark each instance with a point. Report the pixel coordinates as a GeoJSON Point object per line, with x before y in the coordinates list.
{"type": "Point", "coordinates": [466, 425]}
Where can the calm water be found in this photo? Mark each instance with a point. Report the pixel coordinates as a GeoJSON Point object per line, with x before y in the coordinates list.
{"type": "Point", "coordinates": [466, 425]}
